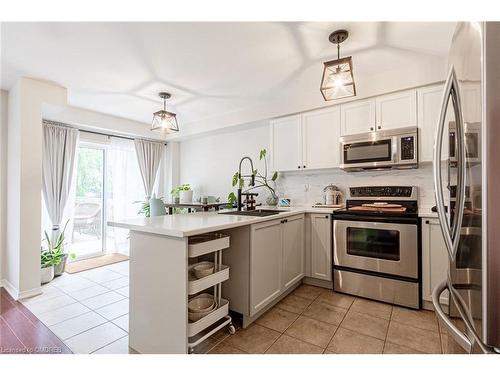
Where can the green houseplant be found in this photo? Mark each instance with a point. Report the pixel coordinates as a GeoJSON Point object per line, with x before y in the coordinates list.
{"type": "Point", "coordinates": [182, 194]}
{"type": "Point", "coordinates": [261, 181]}
{"type": "Point", "coordinates": [54, 254]}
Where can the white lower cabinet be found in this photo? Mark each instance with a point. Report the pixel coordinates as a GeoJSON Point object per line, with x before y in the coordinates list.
{"type": "Point", "coordinates": [276, 259]}
{"type": "Point", "coordinates": [320, 247]}
{"type": "Point", "coordinates": [293, 250]}
{"type": "Point", "coordinates": [434, 258]}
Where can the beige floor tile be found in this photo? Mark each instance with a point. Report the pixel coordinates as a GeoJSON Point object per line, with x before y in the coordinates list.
{"type": "Point", "coordinates": [277, 319]}
{"type": "Point", "coordinates": [366, 324]}
{"type": "Point", "coordinates": [378, 309]}
{"type": "Point", "coordinates": [391, 348]}
{"type": "Point", "coordinates": [254, 339]}
{"type": "Point", "coordinates": [294, 304]}
{"type": "Point", "coordinates": [325, 313]}
{"type": "Point", "coordinates": [336, 299]}
{"type": "Point", "coordinates": [308, 291]}
{"type": "Point", "coordinates": [312, 331]}
{"type": "Point", "coordinates": [224, 348]}
{"type": "Point", "coordinates": [349, 342]}
{"type": "Point", "coordinates": [417, 318]}
{"type": "Point", "coordinates": [289, 345]}
{"type": "Point", "coordinates": [415, 338]}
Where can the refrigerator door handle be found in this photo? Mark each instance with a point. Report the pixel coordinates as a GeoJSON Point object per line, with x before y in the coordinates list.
{"type": "Point", "coordinates": [451, 236]}
{"type": "Point", "coordinates": [457, 335]}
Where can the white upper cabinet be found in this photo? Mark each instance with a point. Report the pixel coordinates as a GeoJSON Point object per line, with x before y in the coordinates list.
{"type": "Point", "coordinates": [321, 132]}
{"type": "Point", "coordinates": [358, 117]}
{"type": "Point", "coordinates": [396, 110]}
{"type": "Point", "coordinates": [286, 138]}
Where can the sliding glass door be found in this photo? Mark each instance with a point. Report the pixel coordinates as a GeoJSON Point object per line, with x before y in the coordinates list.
{"type": "Point", "coordinates": [107, 186]}
{"type": "Point", "coordinates": [88, 232]}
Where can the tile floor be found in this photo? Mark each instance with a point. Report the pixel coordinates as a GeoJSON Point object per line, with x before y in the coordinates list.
{"type": "Point", "coordinates": [316, 320]}
{"type": "Point", "coordinates": [89, 312]}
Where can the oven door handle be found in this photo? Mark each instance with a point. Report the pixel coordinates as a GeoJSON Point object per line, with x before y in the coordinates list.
{"type": "Point", "coordinates": [451, 236]}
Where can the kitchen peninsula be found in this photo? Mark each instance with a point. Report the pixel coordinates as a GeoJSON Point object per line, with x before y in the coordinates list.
{"type": "Point", "coordinates": [267, 258]}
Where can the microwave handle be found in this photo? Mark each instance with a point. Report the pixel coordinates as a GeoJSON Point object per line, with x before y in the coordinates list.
{"type": "Point", "coordinates": [451, 236]}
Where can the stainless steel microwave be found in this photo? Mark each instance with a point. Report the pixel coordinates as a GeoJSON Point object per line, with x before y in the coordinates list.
{"type": "Point", "coordinates": [394, 148]}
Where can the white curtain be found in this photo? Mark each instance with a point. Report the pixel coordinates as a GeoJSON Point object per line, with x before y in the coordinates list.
{"type": "Point", "coordinates": [149, 156]}
{"type": "Point", "coordinates": [124, 187]}
{"type": "Point", "coordinates": [58, 160]}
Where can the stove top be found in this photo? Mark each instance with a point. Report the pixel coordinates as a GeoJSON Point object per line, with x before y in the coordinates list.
{"type": "Point", "coordinates": [381, 201]}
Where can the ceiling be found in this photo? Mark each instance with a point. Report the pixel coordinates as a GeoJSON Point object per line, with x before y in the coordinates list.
{"type": "Point", "coordinates": [215, 71]}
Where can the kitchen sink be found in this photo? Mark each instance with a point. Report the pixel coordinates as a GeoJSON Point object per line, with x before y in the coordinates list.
{"type": "Point", "coordinates": [259, 213]}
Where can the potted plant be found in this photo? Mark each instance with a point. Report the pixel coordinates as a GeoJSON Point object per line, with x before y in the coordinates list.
{"type": "Point", "coordinates": [182, 194]}
{"type": "Point", "coordinates": [261, 180]}
{"type": "Point", "coordinates": [145, 208]}
{"type": "Point", "coordinates": [55, 254]}
{"type": "Point", "coordinates": [47, 263]}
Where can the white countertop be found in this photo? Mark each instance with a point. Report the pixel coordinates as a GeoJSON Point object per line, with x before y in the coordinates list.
{"type": "Point", "coordinates": [425, 211]}
{"type": "Point", "coordinates": [184, 225]}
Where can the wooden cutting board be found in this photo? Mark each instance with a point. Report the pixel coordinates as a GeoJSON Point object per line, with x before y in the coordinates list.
{"type": "Point", "coordinates": [378, 209]}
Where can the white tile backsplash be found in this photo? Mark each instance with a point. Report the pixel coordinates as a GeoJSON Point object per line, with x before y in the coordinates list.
{"type": "Point", "coordinates": [307, 187]}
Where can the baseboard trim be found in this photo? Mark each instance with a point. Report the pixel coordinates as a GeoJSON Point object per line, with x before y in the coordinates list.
{"type": "Point", "coordinates": [16, 294]}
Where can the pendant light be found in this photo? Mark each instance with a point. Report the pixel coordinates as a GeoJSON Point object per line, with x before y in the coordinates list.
{"type": "Point", "coordinates": [338, 81]}
{"type": "Point", "coordinates": [163, 120]}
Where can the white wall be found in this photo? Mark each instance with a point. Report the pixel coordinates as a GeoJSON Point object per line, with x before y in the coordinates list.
{"type": "Point", "coordinates": [3, 179]}
{"type": "Point", "coordinates": [24, 184]}
{"type": "Point", "coordinates": [209, 162]}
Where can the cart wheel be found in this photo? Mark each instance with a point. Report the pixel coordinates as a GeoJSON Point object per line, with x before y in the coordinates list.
{"type": "Point", "coordinates": [231, 329]}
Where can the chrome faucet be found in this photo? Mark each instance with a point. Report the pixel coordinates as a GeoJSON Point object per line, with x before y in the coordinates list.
{"type": "Point", "coordinates": [252, 180]}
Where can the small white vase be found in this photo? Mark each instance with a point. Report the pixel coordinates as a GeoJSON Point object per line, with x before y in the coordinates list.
{"type": "Point", "coordinates": [46, 274]}
{"type": "Point", "coordinates": [186, 196]}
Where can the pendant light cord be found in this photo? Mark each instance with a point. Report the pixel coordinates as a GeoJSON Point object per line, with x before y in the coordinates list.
{"type": "Point", "coordinates": [338, 51]}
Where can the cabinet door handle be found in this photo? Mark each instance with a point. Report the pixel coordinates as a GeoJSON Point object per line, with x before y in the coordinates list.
{"type": "Point", "coordinates": [427, 222]}
{"type": "Point", "coordinates": [379, 127]}
{"type": "Point", "coordinates": [298, 167]}
{"type": "Point", "coordinates": [327, 216]}
{"type": "Point", "coordinates": [371, 128]}
{"type": "Point", "coordinates": [303, 166]}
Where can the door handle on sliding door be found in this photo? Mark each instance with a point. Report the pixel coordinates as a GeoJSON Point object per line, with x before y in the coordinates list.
{"type": "Point", "coordinates": [451, 236]}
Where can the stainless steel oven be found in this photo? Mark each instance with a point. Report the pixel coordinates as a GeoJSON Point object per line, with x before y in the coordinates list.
{"type": "Point", "coordinates": [387, 248]}
{"type": "Point", "coordinates": [395, 148]}
{"type": "Point", "coordinates": [376, 245]}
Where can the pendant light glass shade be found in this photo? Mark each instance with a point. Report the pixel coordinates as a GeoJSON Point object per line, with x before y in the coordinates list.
{"type": "Point", "coordinates": [338, 80]}
{"type": "Point", "coordinates": [163, 120]}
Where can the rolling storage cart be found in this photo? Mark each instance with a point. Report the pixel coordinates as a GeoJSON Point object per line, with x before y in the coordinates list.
{"type": "Point", "coordinates": [201, 245]}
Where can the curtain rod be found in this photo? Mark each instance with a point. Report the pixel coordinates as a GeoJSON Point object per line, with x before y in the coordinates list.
{"type": "Point", "coordinates": [99, 133]}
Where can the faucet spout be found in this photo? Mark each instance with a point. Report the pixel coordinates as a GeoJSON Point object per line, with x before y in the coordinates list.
{"type": "Point", "coordinates": [252, 179]}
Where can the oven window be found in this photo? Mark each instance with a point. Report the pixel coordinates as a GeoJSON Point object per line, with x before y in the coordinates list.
{"type": "Point", "coordinates": [373, 243]}
{"type": "Point", "coordinates": [365, 152]}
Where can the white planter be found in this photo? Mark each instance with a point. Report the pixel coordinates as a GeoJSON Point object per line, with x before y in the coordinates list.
{"type": "Point", "coordinates": [47, 274]}
{"type": "Point", "coordinates": [186, 196]}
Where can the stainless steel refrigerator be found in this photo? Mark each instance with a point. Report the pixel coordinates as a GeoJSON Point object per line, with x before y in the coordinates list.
{"type": "Point", "coordinates": [467, 189]}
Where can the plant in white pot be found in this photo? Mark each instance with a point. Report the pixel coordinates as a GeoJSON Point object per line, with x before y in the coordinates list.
{"type": "Point", "coordinates": [55, 252]}
{"type": "Point", "coordinates": [184, 193]}
{"type": "Point", "coordinates": [47, 263]}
